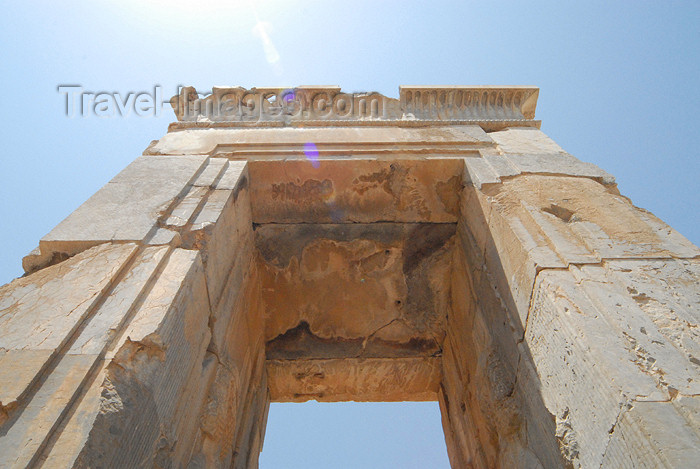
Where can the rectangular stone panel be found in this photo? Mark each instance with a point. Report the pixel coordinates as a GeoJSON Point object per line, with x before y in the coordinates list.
{"type": "Point", "coordinates": [370, 290]}
{"type": "Point", "coordinates": [354, 379]}
{"type": "Point", "coordinates": [312, 190]}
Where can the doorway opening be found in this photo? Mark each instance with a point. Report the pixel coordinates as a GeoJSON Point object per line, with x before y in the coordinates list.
{"type": "Point", "coordinates": [354, 434]}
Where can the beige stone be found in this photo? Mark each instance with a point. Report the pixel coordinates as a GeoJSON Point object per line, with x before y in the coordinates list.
{"type": "Point", "coordinates": [354, 379]}
{"type": "Point", "coordinates": [40, 317]}
{"type": "Point", "coordinates": [278, 143]}
{"type": "Point", "coordinates": [356, 191]}
{"type": "Point", "coordinates": [295, 244]}
{"type": "Point", "coordinates": [126, 209]}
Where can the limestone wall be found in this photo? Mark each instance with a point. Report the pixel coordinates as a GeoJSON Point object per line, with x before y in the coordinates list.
{"type": "Point", "coordinates": [573, 322]}
{"type": "Point", "coordinates": [146, 349]}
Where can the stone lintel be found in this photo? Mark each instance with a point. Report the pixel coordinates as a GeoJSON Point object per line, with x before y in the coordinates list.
{"type": "Point", "coordinates": [280, 143]}
{"type": "Point", "coordinates": [354, 379]}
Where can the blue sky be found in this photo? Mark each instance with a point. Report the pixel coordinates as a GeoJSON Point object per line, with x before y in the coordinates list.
{"type": "Point", "coordinates": [619, 88]}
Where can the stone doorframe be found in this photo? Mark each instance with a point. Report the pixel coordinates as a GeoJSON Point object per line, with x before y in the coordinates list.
{"type": "Point", "coordinates": [286, 245]}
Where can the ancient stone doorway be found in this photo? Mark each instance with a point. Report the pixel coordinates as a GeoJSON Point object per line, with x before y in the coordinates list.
{"type": "Point", "coordinates": [355, 292]}
{"type": "Point", "coordinates": [438, 246]}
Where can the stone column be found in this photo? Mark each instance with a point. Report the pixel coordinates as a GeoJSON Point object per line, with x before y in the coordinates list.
{"type": "Point", "coordinates": [143, 348]}
{"type": "Point", "coordinates": [572, 339]}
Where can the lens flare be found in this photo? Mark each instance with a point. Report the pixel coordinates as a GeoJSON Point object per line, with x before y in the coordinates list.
{"type": "Point", "coordinates": [311, 153]}
{"type": "Point", "coordinates": [289, 96]}
{"type": "Point", "coordinates": [261, 30]}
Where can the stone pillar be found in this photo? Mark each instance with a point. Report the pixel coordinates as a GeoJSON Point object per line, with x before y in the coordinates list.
{"type": "Point", "coordinates": [572, 338]}
{"type": "Point", "coordinates": [144, 347]}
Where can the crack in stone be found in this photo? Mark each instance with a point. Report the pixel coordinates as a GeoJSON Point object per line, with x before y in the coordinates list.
{"type": "Point", "coordinates": [624, 407]}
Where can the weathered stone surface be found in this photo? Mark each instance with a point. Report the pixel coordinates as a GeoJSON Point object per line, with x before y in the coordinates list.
{"type": "Point", "coordinates": [41, 314]}
{"type": "Point", "coordinates": [524, 229]}
{"type": "Point", "coordinates": [222, 229]}
{"type": "Point", "coordinates": [126, 209]}
{"type": "Point", "coordinates": [186, 208]}
{"type": "Point", "coordinates": [292, 258]}
{"type": "Point", "coordinates": [534, 222]}
{"type": "Point", "coordinates": [278, 143]}
{"type": "Point", "coordinates": [354, 379]}
{"type": "Point", "coordinates": [211, 173]}
{"type": "Point", "coordinates": [527, 150]}
{"type": "Point", "coordinates": [377, 288]}
{"type": "Point", "coordinates": [115, 311]}
{"type": "Point", "coordinates": [26, 434]}
{"type": "Point", "coordinates": [525, 140]}
{"type": "Point", "coordinates": [155, 374]}
{"type": "Point", "coordinates": [655, 434]}
{"type": "Point", "coordinates": [608, 354]}
{"type": "Point", "coordinates": [95, 339]}
{"type": "Point", "coordinates": [356, 191]}
{"type": "Point", "coordinates": [233, 417]}
{"type": "Point", "coordinates": [484, 409]}
{"type": "Point", "coordinates": [43, 405]}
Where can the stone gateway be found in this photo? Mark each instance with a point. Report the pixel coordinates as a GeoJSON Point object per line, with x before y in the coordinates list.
{"type": "Point", "coordinates": [282, 245]}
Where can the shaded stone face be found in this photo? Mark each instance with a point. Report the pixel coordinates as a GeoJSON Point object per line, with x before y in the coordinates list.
{"type": "Point", "coordinates": [356, 191]}
{"type": "Point", "coordinates": [354, 267]}
{"type": "Point", "coordinates": [354, 247]}
{"type": "Point", "coordinates": [360, 281]}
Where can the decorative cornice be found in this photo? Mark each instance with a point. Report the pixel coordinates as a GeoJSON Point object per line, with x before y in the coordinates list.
{"type": "Point", "coordinates": [328, 105]}
{"type": "Point", "coordinates": [469, 102]}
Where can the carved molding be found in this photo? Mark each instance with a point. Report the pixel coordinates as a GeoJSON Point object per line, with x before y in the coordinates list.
{"type": "Point", "coordinates": [328, 104]}
{"type": "Point", "coordinates": [460, 102]}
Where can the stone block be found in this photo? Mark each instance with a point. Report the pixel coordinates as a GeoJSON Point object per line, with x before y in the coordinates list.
{"type": "Point", "coordinates": [154, 374]}
{"type": "Point", "coordinates": [29, 431]}
{"type": "Point", "coordinates": [369, 286]}
{"type": "Point", "coordinates": [528, 140]}
{"type": "Point", "coordinates": [211, 173]}
{"type": "Point", "coordinates": [281, 142]}
{"type": "Point", "coordinates": [478, 172]}
{"type": "Point", "coordinates": [651, 435]}
{"type": "Point", "coordinates": [183, 212]}
{"type": "Point", "coordinates": [222, 229]}
{"type": "Point", "coordinates": [356, 191]}
{"type": "Point", "coordinates": [598, 353]}
{"type": "Point", "coordinates": [113, 314]}
{"type": "Point", "coordinates": [41, 314]}
{"type": "Point", "coordinates": [128, 207]}
{"type": "Point", "coordinates": [350, 379]}
{"type": "Point", "coordinates": [531, 223]}
{"type": "Point", "coordinates": [527, 150]}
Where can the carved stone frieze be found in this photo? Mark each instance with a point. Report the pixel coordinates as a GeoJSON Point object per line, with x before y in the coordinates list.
{"type": "Point", "coordinates": [324, 104]}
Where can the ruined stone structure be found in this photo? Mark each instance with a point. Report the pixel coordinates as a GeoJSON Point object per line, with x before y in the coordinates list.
{"type": "Point", "coordinates": [287, 245]}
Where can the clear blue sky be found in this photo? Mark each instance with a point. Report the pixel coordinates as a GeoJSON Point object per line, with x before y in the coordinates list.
{"type": "Point", "coordinates": [619, 88]}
